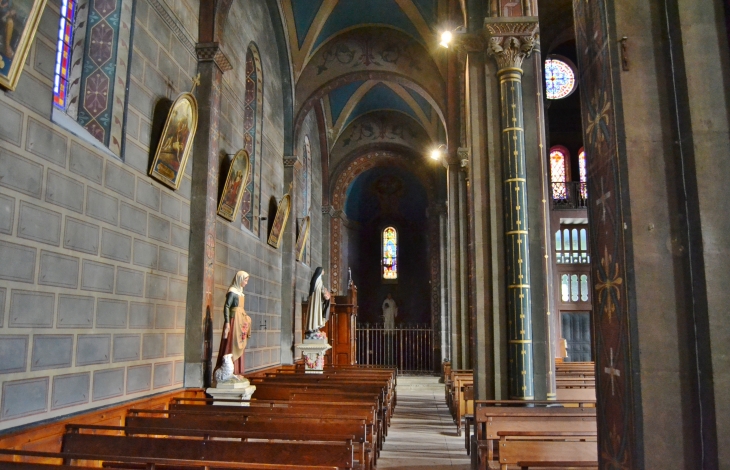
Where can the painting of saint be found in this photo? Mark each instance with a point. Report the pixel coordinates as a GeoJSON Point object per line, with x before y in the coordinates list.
{"type": "Point", "coordinates": [235, 184]}
{"type": "Point", "coordinates": [282, 214]}
{"type": "Point", "coordinates": [176, 141]}
{"type": "Point", "coordinates": [18, 23]}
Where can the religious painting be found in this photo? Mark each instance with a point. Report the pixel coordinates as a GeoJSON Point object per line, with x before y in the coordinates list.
{"type": "Point", "coordinates": [18, 24]}
{"type": "Point", "coordinates": [176, 141]}
{"type": "Point", "coordinates": [302, 238]}
{"type": "Point", "coordinates": [235, 182]}
{"type": "Point", "coordinates": [282, 215]}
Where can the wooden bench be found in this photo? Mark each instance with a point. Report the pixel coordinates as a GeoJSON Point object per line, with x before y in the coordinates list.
{"type": "Point", "coordinates": [543, 447]}
{"type": "Point", "coordinates": [338, 455]}
{"type": "Point", "coordinates": [459, 406]}
{"type": "Point", "coordinates": [273, 428]}
{"type": "Point", "coordinates": [37, 460]}
{"type": "Point", "coordinates": [493, 417]}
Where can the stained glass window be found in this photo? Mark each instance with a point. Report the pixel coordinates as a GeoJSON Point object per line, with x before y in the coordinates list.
{"type": "Point", "coordinates": [558, 173]}
{"type": "Point", "coordinates": [559, 79]}
{"type": "Point", "coordinates": [390, 254]}
{"type": "Point", "coordinates": [252, 112]}
{"type": "Point", "coordinates": [63, 53]}
{"type": "Point", "coordinates": [583, 173]}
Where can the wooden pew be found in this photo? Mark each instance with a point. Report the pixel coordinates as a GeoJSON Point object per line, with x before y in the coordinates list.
{"type": "Point", "coordinates": [339, 455]}
{"type": "Point", "coordinates": [542, 447]}
{"type": "Point", "coordinates": [459, 406]}
{"type": "Point", "coordinates": [495, 416]}
{"type": "Point", "coordinates": [278, 428]}
{"type": "Point", "coordinates": [38, 460]}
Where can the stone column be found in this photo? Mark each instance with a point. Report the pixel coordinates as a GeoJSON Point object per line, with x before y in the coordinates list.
{"type": "Point", "coordinates": [434, 261]}
{"type": "Point", "coordinates": [203, 206]}
{"type": "Point", "coordinates": [453, 171]}
{"type": "Point", "coordinates": [510, 42]}
{"type": "Point", "coordinates": [464, 254]}
{"type": "Point", "coordinates": [444, 261]}
{"type": "Point", "coordinates": [289, 267]}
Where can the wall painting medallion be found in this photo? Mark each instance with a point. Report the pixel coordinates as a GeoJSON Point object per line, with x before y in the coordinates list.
{"type": "Point", "coordinates": [176, 141]}
{"type": "Point", "coordinates": [282, 215]}
{"type": "Point", "coordinates": [233, 190]}
{"type": "Point", "coordinates": [18, 24]}
{"type": "Point", "coordinates": [302, 238]}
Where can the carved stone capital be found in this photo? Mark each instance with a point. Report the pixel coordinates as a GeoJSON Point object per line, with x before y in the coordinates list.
{"type": "Point", "coordinates": [511, 40]}
{"type": "Point", "coordinates": [464, 156]}
{"type": "Point", "coordinates": [211, 51]}
{"type": "Point", "coordinates": [292, 161]}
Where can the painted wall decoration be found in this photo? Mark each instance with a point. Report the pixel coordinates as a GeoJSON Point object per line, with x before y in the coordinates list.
{"type": "Point", "coordinates": [302, 238]}
{"type": "Point", "coordinates": [232, 193]}
{"type": "Point", "coordinates": [618, 384]}
{"type": "Point", "coordinates": [18, 24]}
{"type": "Point", "coordinates": [252, 124]}
{"type": "Point", "coordinates": [176, 141]}
{"type": "Point", "coordinates": [282, 215]}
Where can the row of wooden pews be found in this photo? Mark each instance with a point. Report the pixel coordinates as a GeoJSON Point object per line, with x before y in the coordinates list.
{"type": "Point", "coordinates": [459, 394]}
{"type": "Point", "coordinates": [540, 434]}
{"type": "Point", "coordinates": [295, 421]}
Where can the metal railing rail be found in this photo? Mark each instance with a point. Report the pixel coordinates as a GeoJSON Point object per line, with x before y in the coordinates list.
{"type": "Point", "coordinates": [409, 348]}
{"type": "Point", "coordinates": [571, 195]}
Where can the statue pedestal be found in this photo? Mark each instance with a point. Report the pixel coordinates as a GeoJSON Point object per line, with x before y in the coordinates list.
{"type": "Point", "coordinates": [313, 351]}
{"type": "Point", "coordinates": [239, 390]}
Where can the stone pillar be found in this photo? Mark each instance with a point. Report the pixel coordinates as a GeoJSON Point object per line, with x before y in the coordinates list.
{"type": "Point", "coordinates": [453, 170]}
{"type": "Point", "coordinates": [289, 267]}
{"type": "Point", "coordinates": [444, 264]}
{"type": "Point", "coordinates": [434, 264]}
{"type": "Point", "coordinates": [510, 42]}
{"type": "Point", "coordinates": [464, 254]}
{"type": "Point", "coordinates": [203, 206]}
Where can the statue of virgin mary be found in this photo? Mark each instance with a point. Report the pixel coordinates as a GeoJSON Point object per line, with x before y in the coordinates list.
{"type": "Point", "coordinates": [319, 306]}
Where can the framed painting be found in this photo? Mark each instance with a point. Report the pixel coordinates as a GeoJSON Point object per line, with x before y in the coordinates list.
{"type": "Point", "coordinates": [282, 215]}
{"type": "Point", "coordinates": [18, 24]}
{"type": "Point", "coordinates": [232, 194]}
{"type": "Point", "coordinates": [176, 141]}
{"type": "Point", "coordinates": [302, 238]}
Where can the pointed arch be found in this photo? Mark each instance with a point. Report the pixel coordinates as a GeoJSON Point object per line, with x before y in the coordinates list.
{"type": "Point", "coordinates": [253, 113]}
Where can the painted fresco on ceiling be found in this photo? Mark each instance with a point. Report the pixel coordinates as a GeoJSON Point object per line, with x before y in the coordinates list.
{"type": "Point", "coordinates": [312, 23]}
{"type": "Point", "coordinates": [386, 191]}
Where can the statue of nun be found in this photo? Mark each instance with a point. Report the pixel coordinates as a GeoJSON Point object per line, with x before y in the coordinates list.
{"type": "Point", "coordinates": [236, 330]}
{"type": "Point", "coordinates": [319, 306]}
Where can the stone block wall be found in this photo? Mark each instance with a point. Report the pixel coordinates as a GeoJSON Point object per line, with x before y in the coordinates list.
{"type": "Point", "coordinates": [94, 252]}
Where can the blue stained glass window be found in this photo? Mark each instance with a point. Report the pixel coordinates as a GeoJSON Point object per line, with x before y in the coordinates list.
{"type": "Point", "coordinates": [559, 79]}
{"type": "Point", "coordinates": [390, 253]}
{"type": "Point", "coordinates": [63, 53]}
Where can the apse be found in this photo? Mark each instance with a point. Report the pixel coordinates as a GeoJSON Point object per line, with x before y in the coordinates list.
{"type": "Point", "coordinates": [379, 200]}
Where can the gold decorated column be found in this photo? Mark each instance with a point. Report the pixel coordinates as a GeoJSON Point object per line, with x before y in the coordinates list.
{"type": "Point", "coordinates": [510, 41]}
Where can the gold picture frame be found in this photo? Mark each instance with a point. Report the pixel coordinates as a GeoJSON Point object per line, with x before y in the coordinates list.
{"type": "Point", "coordinates": [282, 215]}
{"type": "Point", "coordinates": [235, 185]}
{"type": "Point", "coordinates": [20, 24]}
{"type": "Point", "coordinates": [302, 238]}
{"type": "Point", "coordinates": [176, 141]}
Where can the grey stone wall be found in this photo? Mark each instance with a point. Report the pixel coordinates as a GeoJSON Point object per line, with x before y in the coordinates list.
{"type": "Point", "coordinates": [238, 248]}
{"type": "Point", "coordinates": [94, 253]}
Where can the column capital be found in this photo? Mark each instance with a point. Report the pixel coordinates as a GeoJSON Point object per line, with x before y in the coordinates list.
{"type": "Point", "coordinates": [211, 52]}
{"type": "Point", "coordinates": [464, 156]}
{"type": "Point", "coordinates": [292, 161]}
{"type": "Point", "coordinates": [511, 40]}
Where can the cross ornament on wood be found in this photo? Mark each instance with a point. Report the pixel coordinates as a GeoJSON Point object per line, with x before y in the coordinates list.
{"type": "Point", "coordinates": [602, 200]}
{"type": "Point", "coordinates": [612, 371]}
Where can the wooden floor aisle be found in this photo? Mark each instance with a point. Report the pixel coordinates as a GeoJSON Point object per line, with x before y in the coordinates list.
{"type": "Point", "coordinates": [422, 434]}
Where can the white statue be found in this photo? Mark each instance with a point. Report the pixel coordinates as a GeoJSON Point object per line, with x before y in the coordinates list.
{"type": "Point", "coordinates": [390, 311]}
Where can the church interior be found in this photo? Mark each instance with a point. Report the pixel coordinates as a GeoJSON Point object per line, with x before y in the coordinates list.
{"type": "Point", "coordinates": [511, 203]}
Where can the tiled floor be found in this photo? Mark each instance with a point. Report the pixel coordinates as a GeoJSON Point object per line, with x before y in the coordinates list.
{"type": "Point", "coordinates": [422, 434]}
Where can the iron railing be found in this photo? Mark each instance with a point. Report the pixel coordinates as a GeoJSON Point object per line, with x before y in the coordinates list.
{"type": "Point", "coordinates": [409, 348]}
{"type": "Point", "coordinates": [571, 195]}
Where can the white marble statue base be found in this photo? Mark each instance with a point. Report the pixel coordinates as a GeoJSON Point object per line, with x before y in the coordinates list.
{"type": "Point", "coordinates": [240, 391]}
{"type": "Point", "coordinates": [313, 351]}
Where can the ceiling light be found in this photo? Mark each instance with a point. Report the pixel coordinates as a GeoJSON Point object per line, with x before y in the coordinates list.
{"type": "Point", "coordinates": [437, 153]}
{"type": "Point", "coordinates": [446, 38]}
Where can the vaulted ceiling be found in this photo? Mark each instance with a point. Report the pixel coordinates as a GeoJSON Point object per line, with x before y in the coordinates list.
{"type": "Point", "coordinates": [373, 69]}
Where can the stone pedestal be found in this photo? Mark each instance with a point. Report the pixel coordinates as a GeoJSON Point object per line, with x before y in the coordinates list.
{"type": "Point", "coordinates": [239, 390]}
{"type": "Point", "coordinates": [313, 351]}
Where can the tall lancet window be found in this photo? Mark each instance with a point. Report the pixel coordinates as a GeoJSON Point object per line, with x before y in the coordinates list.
{"type": "Point", "coordinates": [583, 173]}
{"type": "Point", "coordinates": [92, 69]}
{"type": "Point", "coordinates": [559, 171]}
{"type": "Point", "coordinates": [252, 114]}
{"type": "Point", "coordinates": [390, 254]}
